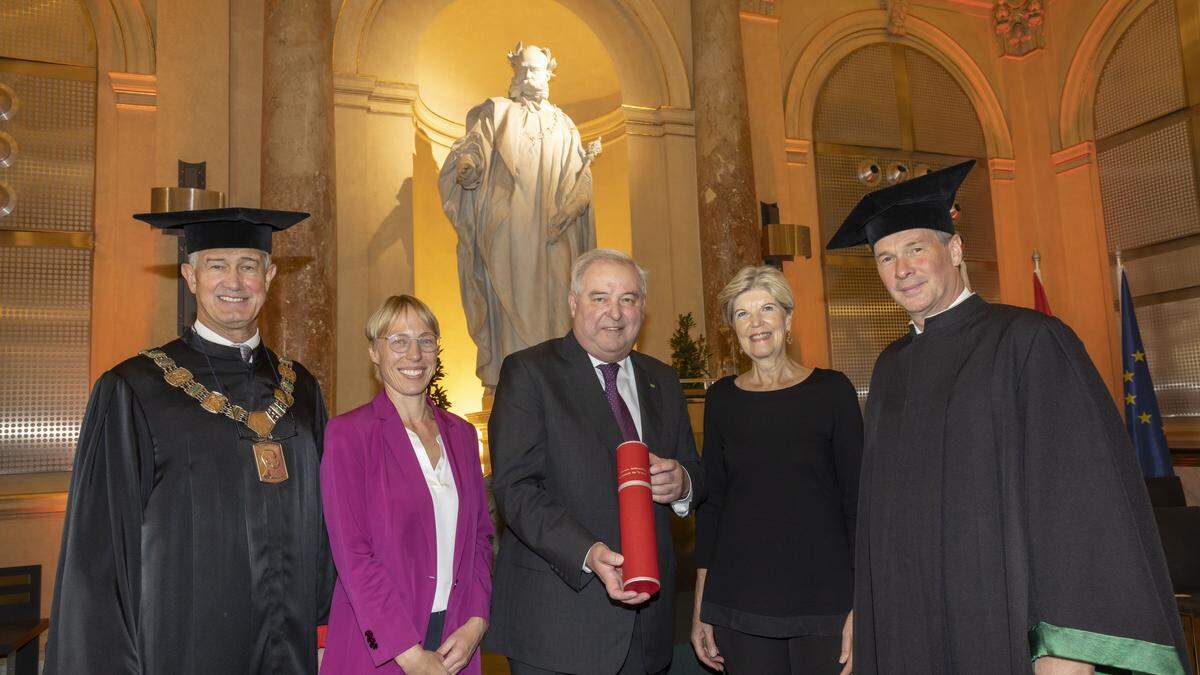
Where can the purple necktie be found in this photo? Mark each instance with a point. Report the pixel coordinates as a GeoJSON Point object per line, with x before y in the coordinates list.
{"type": "Point", "coordinates": [619, 409]}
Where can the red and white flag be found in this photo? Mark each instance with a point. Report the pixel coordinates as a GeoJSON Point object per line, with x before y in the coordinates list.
{"type": "Point", "coordinates": [1040, 303]}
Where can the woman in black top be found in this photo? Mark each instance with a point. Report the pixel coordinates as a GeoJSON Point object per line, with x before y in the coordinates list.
{"type": "Point", "coordinates": [774, 540]}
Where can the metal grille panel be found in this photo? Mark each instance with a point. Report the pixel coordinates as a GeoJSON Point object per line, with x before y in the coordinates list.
{"type": "Point", "coordinates": [52, 174]}
{"type": "Point", "coordinates": [54, 31]}
{"type": "Point", "coordinates": [45, 305]}
{"type": "Point", "coordinates": [857, 104]}
{"type": "Point", "coordinates": [838, 190]}
{"type": "Point", "coordinates": [863, 319]}
{"type": "Point", "coordinates": [1164, 272]}
{"type": "Point", "coordinates": [1171, 335]}
{"type": "Point", "coordinates": [1148, 189]}
{"type": "Point", "coordinates": [944, 121]}
{"type": "Point", "coordinates": [1143, 78]}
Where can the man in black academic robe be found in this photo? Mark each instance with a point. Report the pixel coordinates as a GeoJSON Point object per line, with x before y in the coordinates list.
{"type": "Point", "coordinates": [1003, 525]}
{"type": "Point", "coordinates": [176, 556]}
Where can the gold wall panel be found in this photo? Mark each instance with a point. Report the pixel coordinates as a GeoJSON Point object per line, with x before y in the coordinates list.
{"type": "Point", "coordinates": [879, 100]}
{"type": "Point", "coordinates": [1143, 78]}
{"type": "Point", "coordinates": [1148, 188]}
{"type": "Point", "coordinates": [1164, 272]}
{"type": "Point", "coordinates": [53, 31]}
{"type": "Point", "coordinates": [944, 120]}
{"type": "Point", "coordinates": [863, 319]}
{"type": "Point", "coordinates": [53, 175]}
{"type": "Point", "coordinates": [45, 313]}
{"type": "Point", "coordinates": [839, 190]}
{"type": "Point", "coordinates": [1169, 333]}
{"type": "Point", "coordinates": [857, 104]}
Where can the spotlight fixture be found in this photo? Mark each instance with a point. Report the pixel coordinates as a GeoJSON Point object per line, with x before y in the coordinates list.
{"type": "Point", "coordinates": [869, 173]}
{"type": "Point", "coordinates": [8, 199]}
{"type": "Point", "coordinates": [8, 150]}
{"type": "Point", "coordinates": [921, 170]}
{"type": "Point", "coordinates": [896, 172]}
{"type": "Point", "coordinates": [8, 102]}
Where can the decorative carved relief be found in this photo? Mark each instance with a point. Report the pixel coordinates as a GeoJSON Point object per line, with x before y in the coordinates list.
{"type": "Point", "coordinates": [1018, 25]}
{"type": "Point", "coordinates": [897, 12]}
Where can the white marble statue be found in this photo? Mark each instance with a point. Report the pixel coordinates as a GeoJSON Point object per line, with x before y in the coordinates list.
{"type": "Point", "coordinates": [518, 189]}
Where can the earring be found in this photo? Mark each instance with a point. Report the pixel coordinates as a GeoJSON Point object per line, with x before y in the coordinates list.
{"type": "Point", "coordinates": [789, 337]}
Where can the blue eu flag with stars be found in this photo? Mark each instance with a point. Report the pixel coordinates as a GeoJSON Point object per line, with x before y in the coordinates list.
{"type": "Point", "coordinates": [1141, 406]}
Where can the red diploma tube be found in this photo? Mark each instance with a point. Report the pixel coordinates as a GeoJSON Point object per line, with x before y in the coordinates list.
{"type": "Point", "coordinates": [636, 507]}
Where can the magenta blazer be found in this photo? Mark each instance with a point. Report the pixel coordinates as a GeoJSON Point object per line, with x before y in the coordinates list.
{"type": "Point", "coordinates": [380, 519]}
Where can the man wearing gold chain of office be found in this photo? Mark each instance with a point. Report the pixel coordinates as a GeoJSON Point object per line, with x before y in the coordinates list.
{"type": "Point", "coordinates": [194, 540]}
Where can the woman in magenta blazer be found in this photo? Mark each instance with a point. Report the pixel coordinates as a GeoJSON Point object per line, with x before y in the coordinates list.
{"type": "Point", "coordinates": [407, 516]}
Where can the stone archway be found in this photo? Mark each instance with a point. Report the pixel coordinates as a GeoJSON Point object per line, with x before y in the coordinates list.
{"type": "Point", "coordinates": [852, 31]}
{"type": "Point", "coordinates": [1076, 121]}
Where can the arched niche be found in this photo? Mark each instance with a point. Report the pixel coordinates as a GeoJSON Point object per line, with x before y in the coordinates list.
{"type": "Point", "coordinates": [642, 46]}
{"type": "Point", "coordinates": [882, 107]}
{"type": "Point", "coordinates": [1076, 121]}
{"type": "Point", "coordinates": [851, 32]}
{"type": "Point", "coordinates": [406, 74]}
{"type": "Point", "coordinates": [124, 37]}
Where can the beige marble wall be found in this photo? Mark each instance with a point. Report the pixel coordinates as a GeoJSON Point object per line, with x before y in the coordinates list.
{"type": "Point", "coordinates": [375, 150]}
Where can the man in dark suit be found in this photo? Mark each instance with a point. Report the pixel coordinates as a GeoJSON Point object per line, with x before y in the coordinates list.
{"type": "Point", "coordinates": [561, 409]}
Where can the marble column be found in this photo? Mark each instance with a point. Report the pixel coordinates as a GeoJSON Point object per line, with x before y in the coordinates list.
{"type": "Point", "coordinates": [298, 175]}
{"type": "Point", "coordinates": [730, 235]}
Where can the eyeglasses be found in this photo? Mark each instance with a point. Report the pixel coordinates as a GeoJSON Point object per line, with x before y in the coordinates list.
{"type": "Point", "coordinates": [400, 343]}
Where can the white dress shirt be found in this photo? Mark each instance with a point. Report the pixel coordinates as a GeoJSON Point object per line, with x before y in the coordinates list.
{"type": "Point", "coordinates": [966, 293]}
{"type": "Point", "coordinates": [212, 336]}
{"type": "Point", "coordinates": [440, 480]}
{"type": "Point", "coordinates": [627, 388]}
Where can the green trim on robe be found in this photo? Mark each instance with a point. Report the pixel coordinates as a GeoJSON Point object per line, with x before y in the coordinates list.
{"type": "Point", "coordinates": [1109, 653]}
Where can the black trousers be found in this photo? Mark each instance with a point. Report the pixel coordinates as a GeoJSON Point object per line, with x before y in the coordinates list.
{"type": "Point", "coordinates": [634, 660]}
{"type": "Point", "coordinates": [747, 654]}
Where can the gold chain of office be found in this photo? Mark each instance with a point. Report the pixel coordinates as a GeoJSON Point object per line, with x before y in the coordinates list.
{"type": "Point", "coordinates": [261, 422]}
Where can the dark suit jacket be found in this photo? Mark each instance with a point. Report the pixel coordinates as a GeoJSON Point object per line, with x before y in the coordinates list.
{"type": "Point", "coordinates": [552, 438]}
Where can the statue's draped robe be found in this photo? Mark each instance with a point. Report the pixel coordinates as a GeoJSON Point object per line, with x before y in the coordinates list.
{"type": "Point", "coordinates": [514, 281]}
{"type": "Point", "coordinates": [175, 558]}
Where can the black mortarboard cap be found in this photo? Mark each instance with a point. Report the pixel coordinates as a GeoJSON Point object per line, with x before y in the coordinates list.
{"type": "Point", "coordinates": [924, 201]}
{"type": "Point", "coordinates": [225, 228]}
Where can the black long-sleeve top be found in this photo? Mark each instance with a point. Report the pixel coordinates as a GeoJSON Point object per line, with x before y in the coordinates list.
{"type": "Point", "coordinates": [777, 530]}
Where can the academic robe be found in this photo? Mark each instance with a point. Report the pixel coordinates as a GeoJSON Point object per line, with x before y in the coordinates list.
{"type": "Point", "coordinates": [175, 557]}
{"type": "Point", "coordinates": [1002, 514]}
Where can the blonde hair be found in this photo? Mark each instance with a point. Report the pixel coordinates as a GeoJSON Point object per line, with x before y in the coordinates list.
{"type": "Point", "coordinates": [749, 278]}
{"type": "Point", "coordinates": [396, 307]}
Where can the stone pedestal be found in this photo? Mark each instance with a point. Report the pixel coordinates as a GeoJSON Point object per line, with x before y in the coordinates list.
{"type": "Point", "coordinates": [298, 175]}
{"type": "Point", "coordinates": [729, 227]}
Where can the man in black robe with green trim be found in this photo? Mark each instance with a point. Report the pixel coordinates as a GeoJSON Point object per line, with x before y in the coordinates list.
{"type": "Point", "coordinates": [1003, 525]}
{"type": "Point", "coordinates": [194, 539]}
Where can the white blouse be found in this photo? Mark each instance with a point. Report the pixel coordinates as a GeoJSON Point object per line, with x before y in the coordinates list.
{"type": "Point", "coordinates": [440, 480]}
